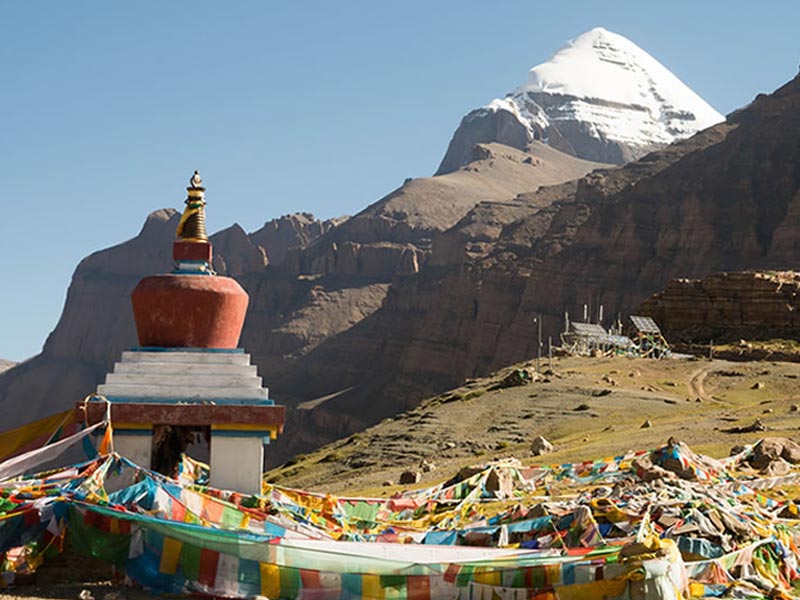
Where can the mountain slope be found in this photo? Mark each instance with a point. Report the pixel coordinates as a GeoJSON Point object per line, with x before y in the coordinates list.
{"type": "Point", "coordinates": [587, 408]}
{"type": "Point", "coordinates": [422, 208]}
{"type": "Point", "coordinates": [601, 98]}
{"type": "Point", "coordinates": [725, 199]}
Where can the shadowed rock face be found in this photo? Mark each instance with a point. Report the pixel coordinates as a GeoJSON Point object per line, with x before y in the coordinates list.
{"type": "Point", "coordinates": [278, 236]}
{"type": "Point", "coordinates": [95, 325]}
{"type": "Point", "coordinates": [482, 127]}
{"type": "Point", "coordinates": [727, 307]}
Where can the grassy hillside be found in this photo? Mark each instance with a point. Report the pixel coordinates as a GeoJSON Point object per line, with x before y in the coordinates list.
{"type": "Point", "coordinates": [587, 407]}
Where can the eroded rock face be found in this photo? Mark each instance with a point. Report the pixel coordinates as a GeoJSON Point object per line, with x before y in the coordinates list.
{"type": "Point", "coordinates": [278, 236]}
{"type": "Point", "coordinates": [727, 307]}
{"type": "Point", "coordinates": [235, 253]}
{"type": "Point", "coordinates": [377, 260]}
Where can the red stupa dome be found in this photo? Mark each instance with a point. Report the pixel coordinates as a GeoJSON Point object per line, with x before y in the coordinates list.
{"type": "Point", "coordinates": [192, 307]}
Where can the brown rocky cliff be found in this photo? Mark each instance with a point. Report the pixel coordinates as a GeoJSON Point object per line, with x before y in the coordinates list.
{"type": "Point", "coordinates": [278, 236]}
{"type": "Point", "coordinates": [97, 322]}
{"type": "Point", "coordinates": [235, 253]}
{"type": "Point", "coordinates": [728, 307]}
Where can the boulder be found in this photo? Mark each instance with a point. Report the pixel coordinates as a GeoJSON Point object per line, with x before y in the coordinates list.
{"type": "Point", "coordinates": [518, 377]}
{"type": "Point", "coordinates": [540, 446]}
{"type": "Point", "coordinates": [772, 449]}
{"type": "Point", "coordinates": [427, 466]}
{"type": "Point", "coordinates": [409, 477]}
{"type": "Point", "coordinates": [777, 468]}
{"type": "Point", "coordinates": [647, 471]}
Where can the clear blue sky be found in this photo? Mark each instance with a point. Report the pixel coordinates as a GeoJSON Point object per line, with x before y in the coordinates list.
{"type": "Point", "coordinates": [106, 108]}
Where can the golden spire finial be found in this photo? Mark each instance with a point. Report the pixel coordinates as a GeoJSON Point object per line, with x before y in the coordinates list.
{"type": "Point", "coordinates": [192, 227]}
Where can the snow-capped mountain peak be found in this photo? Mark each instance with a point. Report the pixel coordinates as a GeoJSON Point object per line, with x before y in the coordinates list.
{"type": "Point", "coordinates": [601, 97]}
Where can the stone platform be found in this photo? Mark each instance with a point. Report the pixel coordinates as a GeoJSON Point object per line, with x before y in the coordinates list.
{"type": "Point", "coordinates": [183, 375]}
{"type": "Point", "coordinates": [184, 387]}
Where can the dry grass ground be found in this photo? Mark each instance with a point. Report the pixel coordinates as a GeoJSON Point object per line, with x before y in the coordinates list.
{"type": "Point", "coordinates": [588, 408]}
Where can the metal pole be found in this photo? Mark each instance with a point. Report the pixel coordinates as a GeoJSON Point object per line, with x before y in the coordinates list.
{"type": "Point", "coordinates": [550, 352]}
{"type": "Point", "coordinates": [539, 352]}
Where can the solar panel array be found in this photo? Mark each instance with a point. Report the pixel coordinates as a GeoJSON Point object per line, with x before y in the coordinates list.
{"type": "Point", "coordinates": [596, 334]}
{"type": "Point", "coordinates": [645, 324]}
{"type": "Point", "coordinates": [591, 330]}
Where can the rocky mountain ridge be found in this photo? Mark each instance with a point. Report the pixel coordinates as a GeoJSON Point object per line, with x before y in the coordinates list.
{"type": "Point", "coordinates": [97, 322]}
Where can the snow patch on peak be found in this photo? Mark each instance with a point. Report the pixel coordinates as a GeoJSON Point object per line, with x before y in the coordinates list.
{"type": "Point", "coordinates": [507, 104]}
{"type": "Point", "coordinates": [502, 104]}
{"type": "Point", "coordinates": [612, 89]}
{"type": "Point", "coordinates": [607, 66]}
{"type": "Point", "coordinates": [600, 98]}
{"type": "Point", "coordinates": [531, 120]}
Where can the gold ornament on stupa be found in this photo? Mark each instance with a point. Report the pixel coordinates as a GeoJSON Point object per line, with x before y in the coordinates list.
{"type": "Point", "coordinates": [192, 227]}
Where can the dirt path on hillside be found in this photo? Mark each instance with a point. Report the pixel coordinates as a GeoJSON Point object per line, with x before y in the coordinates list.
{"type": "Point", "coordinates": [696, 386]}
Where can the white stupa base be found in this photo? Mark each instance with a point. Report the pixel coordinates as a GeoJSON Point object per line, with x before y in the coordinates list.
{"type": "Point", "coordinates": [237, 463]}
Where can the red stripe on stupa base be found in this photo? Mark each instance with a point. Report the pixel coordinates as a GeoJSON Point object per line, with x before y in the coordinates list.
{"type": "Point", "coordinates": [183, 414]}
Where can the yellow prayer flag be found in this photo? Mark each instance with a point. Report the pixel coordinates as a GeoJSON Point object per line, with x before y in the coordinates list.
{"type": "Point", "coordinates": [270, 580]}
{"type": "Point", "coordinates": [170, 556]}
{"type": "Point", "coordinates": [14, 439]}
{"type": "Point", "coordinates": [371, 587]}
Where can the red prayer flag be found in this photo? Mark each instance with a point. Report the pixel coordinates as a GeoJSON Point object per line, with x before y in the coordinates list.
{"type": "Point", "coordinates": [419, 587]}
{"type": "Point", "coordinates": [208, 567]}
{"type": "Point", "coordinates": [310, 578]}
{"type": "Point", "coordinates": [451, 573]}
